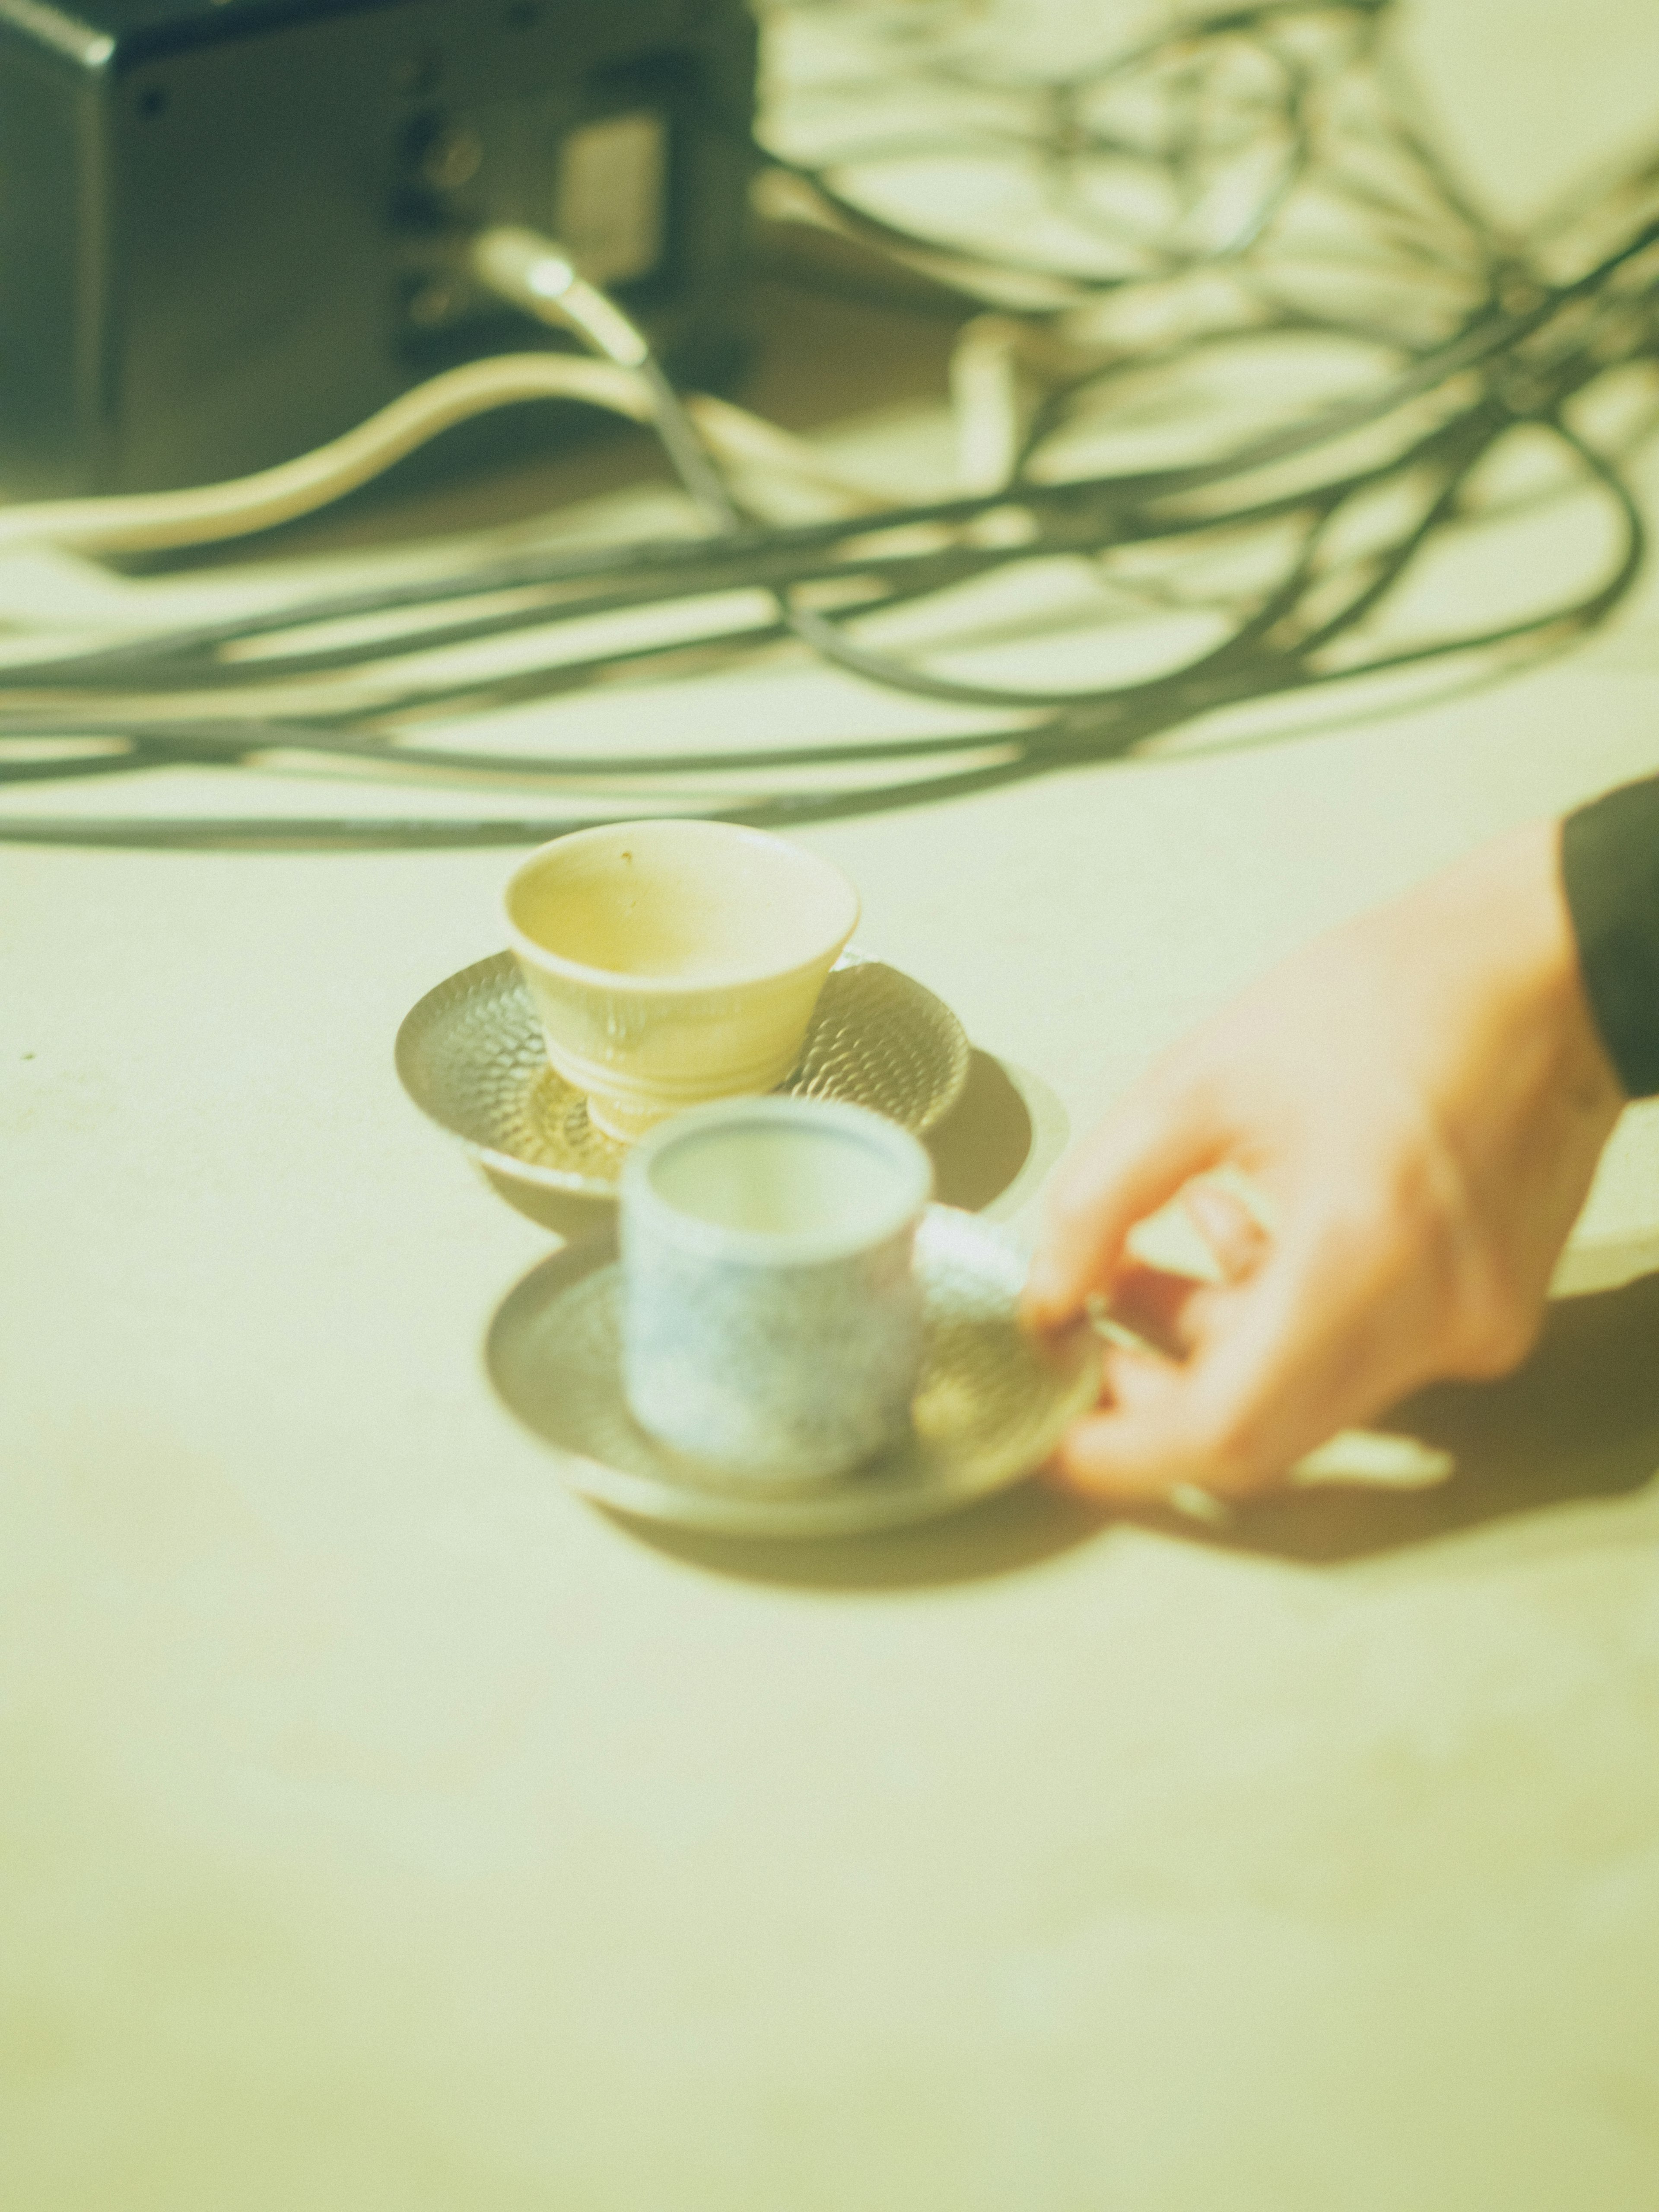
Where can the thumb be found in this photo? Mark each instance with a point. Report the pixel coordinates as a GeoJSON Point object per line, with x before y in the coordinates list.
{"type": "Point", "coordinates": [1134, 1162]}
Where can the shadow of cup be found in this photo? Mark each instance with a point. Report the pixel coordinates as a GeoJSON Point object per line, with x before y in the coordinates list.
{"type": "Point", "coordinates": [984, 1141]}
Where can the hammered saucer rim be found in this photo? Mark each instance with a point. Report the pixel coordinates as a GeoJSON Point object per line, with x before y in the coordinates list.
{"type": "Point", "coordinates": [852, 1505]}
{"type": "Point", "coordinates": [573, 1182]}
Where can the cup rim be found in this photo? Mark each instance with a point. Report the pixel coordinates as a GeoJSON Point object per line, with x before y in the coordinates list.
{"type": "Point", "coordinates": [770, 1248]}
{"type": "Point", "coordinates": [629, 981]}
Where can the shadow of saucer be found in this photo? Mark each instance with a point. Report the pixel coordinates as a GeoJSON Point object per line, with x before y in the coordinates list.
{"type": "Point", "coordinates": [1578, 1422]}
{"type": "Point", "coordinates": [1016, 1528]}
{"type": "Point", "coordinates": [570, 1214]}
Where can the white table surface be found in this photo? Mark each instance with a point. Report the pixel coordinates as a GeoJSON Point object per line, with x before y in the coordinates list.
{"type": "Point", "coordinates": [381, 1827]}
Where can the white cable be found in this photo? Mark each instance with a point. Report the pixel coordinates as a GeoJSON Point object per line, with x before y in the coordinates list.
{"type": "Point", "coordinates": [518, 264]}
{"type": "Point", "coordinates": [521, 266]}
{"type": "Point", "coordinates": [149, 520]}
{"type": "Point", "coordinates": [742, 438]}
{"type": "Point", "coordinates": [986, 399]}
{"type": "Point", "coordinates": [534, 274]}
{"type": "Point", "coordinates": [206, 514]}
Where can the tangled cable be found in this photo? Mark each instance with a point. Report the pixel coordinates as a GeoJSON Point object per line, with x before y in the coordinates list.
{"type": "Point", "coordinates": [1251, 373]}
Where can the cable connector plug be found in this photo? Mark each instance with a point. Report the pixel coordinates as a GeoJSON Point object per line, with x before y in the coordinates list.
{"type": "Point", "coordinates": [535, 274]}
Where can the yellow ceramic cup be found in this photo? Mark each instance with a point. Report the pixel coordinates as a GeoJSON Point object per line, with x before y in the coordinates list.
{"type": "Point", "coordinates": [671, 962]}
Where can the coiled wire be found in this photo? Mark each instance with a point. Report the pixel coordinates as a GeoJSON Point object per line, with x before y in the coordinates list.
{"type": "Point", "coordinates": [1200, 225]}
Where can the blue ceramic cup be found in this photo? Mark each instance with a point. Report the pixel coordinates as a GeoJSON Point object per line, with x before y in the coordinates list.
{"type": "Point", "coordinates": [772, 1319]}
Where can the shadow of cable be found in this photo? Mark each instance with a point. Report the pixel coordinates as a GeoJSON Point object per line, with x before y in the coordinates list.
{"type": "Point", "coordinates": [1578, 1422]}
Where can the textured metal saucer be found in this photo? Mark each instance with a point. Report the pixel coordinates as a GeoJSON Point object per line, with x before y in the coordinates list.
{"type": "Point", "coordinates": [991, 1405]}
{"type": "Point", "coordinates": [470, 1055]}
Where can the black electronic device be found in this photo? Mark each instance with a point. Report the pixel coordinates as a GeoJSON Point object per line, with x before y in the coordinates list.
{"type": "Point", "coordinates": [230, 229]}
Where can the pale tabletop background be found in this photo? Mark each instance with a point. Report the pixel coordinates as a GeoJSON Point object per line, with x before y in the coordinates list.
{"type": "Point", "coordinates": [380, 1826]}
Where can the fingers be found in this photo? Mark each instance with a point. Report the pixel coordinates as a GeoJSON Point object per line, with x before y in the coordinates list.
{"type": "Point", "coordinates": [1172, 1312]}
{"type": "Point", "coordinates": [1133, 1165]}
{"type": "Point", "coordinates": [1234, 1234]}
{"type": "Point", "coordinates": [1136, 1448]}
{"type": "Point", "coordinates": [1166, 1312]}
{"type": "Point", "coordinates": [1272, 1372]}
{"type": "Point", "coordinates": [1164, 1422]}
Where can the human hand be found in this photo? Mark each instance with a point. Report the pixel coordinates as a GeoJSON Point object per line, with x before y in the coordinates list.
{"type": "Point", "coordinates": [1420, 1096]}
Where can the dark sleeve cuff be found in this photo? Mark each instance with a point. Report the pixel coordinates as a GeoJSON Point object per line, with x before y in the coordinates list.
{"type": "Point", "coordinates": [1610, 866]}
